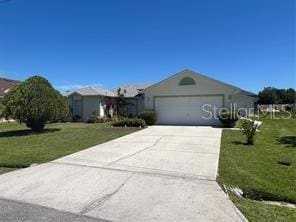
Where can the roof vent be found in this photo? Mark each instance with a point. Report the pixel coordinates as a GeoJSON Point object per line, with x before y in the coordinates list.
{"type": "Point", "coordinates": [187, 81]}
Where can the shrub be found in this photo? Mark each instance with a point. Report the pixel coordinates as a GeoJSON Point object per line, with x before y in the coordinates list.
{"type": "Point", "coordinates": [76, 118]}
{"type": "Point", "coordinates": [150, 117]}
{"type": "Point", "coordinates": [228, 119]}
{"type": "Point", "coordinates": [249, 128]}
{"type": "Point", "coordinates": [101, 119]}
{"type": "Point", "coordinates": [92, 119]}
{"type": "Point", "coordinates": [130, 123]}
{"type": "Point", "coordinates": [35, 102]}
{"type": "Point", "coordinates": [96, 119]}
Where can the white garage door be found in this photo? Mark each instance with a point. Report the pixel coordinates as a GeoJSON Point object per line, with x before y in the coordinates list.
{"type": "Point", "coordinates": [187, 110]}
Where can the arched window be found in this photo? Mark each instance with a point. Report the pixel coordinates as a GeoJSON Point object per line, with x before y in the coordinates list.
{"type": "Point", "coordinates": [187, 81]}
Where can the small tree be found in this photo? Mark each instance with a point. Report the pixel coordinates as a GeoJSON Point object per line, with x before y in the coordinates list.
{"type": "Point", "coordinates": [61, 110]}
{"type": "Point", "coordinates": [249, 128]}
{"type": "Point", "coordinates": [121, 104]}
{"type": "Point", "coordinates": [35, 102]}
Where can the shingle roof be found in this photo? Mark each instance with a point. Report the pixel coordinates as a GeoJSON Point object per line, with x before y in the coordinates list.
{"type": "Point", "coordinates": [6, 84]}
{"type": "Point", "coordinates": [131, 90]}
{"type": "Point", "coordinates": [93, 91]}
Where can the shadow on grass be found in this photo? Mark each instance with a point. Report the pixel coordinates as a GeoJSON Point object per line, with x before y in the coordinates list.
{"type": "Point", "coordinates": [26, 132]}
{"type": "Point", "coordinates": [236, 142]}
{"type": "Point", "coordinates": [16, 166]}
{"type": "Point", "coordinates": [260, 195]}
{"type": "Point", "coordinates": [290, 141]}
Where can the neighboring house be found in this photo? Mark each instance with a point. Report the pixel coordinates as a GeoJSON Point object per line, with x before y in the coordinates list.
{"type": "Point", "coordinates": [6, 85]}
{"type": "Point", "coordinates": [186, 98]}
{"type": "Point", "coordinates": [102, 102]}
{"type": "Point", "coordinates": [134, 97]}
{"type": "Point", "coordinates": [91, 100]}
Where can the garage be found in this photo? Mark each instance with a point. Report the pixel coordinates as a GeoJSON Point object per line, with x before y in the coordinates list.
{"type": "Point", "coordinates": [191, 98]}
{"type": "Point", "coordinates": [187, 110]}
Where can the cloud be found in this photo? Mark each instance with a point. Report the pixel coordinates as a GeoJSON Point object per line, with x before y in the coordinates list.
{"type": "Point", "coordinates": [71, 87]}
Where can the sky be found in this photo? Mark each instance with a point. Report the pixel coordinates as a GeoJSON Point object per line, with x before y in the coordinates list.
{"type": "Point", "coordinates": [106, 43]}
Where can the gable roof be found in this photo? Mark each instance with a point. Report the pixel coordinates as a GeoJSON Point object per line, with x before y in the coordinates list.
{"type": "Point", "coordinates": [131, 90]}
{"type": "Point", "coordinates": [92, 91]}
{"type": "Point", "coordinates": [242, 91]}
{"type": "Point", "coordinates": [6, 84]}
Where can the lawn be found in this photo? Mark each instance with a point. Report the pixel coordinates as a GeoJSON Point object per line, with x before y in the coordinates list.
{"type": "Point", "coordinates": [257, 171]}
{"type": "Point", "coordinates": [19, 147]}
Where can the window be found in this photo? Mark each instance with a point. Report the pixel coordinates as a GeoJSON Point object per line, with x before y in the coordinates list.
{"type": "Point", "coordinates": [187, 81]}
{"type": "Point", "coordinates": [77, 107]}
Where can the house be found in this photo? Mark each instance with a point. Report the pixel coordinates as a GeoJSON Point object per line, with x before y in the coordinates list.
{"type": "Point", "coordinates": [191, 98]}
{"type": "Point", "coordinates": [6, 85]}
{"type": "Point", "coordinates": [134, 97]}
{"type": "Point", "coordinates": [186, 98]}
{"type": "Point", "coordinates": [91, 100]}
{"type": "Point", "coordinates": [102, 102]}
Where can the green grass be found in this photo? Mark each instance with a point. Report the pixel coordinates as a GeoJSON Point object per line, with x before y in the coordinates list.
{"type": "Point", "coordinates": [6, 169]}
{"type": "Point", "coordinates": [257, 211]}
{"type": "Point", "coordinates": [20, 147]}
{"type": "Point", "coordinates": [255, 169]}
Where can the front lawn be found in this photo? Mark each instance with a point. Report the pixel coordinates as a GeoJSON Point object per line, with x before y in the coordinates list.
{"type": "Point", "coordinates": [257, 171]}
{"type": "Point", "coordinates": [20, 147]}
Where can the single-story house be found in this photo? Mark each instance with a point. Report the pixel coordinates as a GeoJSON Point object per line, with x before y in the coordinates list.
{"type": "Point", "coordinates": [186, 98]}
{"type": "Point", "coordinates": [91, 100]}
{"type": "Point", "coordinates": [6, 85]}
{"type": "Point", "coordinates": [134, 97]}
{"type": "Point", "coordinates": [191, 98]}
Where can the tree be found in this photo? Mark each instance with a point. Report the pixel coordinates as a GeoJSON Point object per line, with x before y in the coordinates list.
{"type": "Point", "coordinates": [121, 104]}
{"type": "Point", "coordinates": [249, 129]}
{"type": "Point", "coordinates": [35, 102]}
{"type": "Point", "coordinates": [267, 96]}
{"type": "Point", "coordinates": [61, 110]}
{"type": "Point", "coordinates": [280, 96]}
{"type": "Point", "coordinates": [290, 96]}
{"type": "Point", "coordinates": [2, 108]}
{"type": "Point", "coordinates": [271, 95]}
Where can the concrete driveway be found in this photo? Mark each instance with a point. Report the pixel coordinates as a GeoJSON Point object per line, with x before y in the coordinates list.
{"type": "Point", "coordinates": [162, 173]}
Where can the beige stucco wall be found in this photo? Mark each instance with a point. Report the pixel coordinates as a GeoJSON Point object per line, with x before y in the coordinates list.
{"type": "Point", "coordinates": [242, 102]}
{"type": "Point", "coordinates": [204, 86]}
{"type": "Point", "coordinates": [76, 96]}
{"type": "Point", "coordinates": [141, 105]}
{"type": "Point", "coordinates": [91, 104]}
{"type": "Point", "coordinates": [138, 106]}
{"type": "Point", "coordinates": [132, 107]}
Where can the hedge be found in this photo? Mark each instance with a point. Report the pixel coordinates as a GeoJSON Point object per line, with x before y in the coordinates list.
{"type": "Point", "coordinates": [135, 122]}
